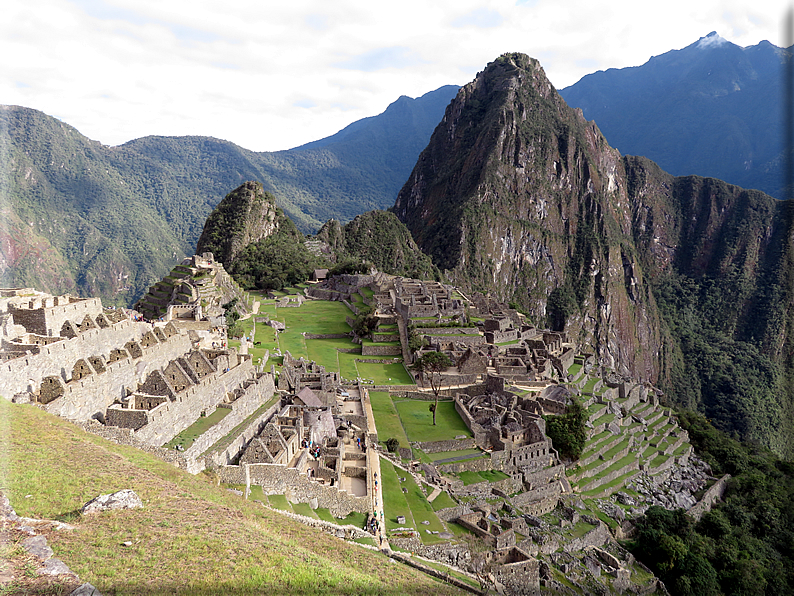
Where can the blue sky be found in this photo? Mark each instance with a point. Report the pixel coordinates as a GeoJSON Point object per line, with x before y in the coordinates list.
{"type": "Point", "coordinates": [273, 75]}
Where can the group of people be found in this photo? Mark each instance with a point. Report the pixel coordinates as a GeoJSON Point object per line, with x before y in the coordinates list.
{"type": "Point", "coordinates": [314, 450]}
{"type": "Point", "coordinates": [361, 444]}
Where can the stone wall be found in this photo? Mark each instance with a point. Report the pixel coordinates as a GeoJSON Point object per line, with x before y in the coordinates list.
{"type": "Point", "coordinates": [225, 455]}
{"type": "Point", "coordinates": [326, 335]}
{"type": "Point", "coordinates": [598, 536]}
{"type": "Point", "coordinates": [48, 321]}
{"type": "Point", "coordinates": [373, 350]}
{"type": "Point", "coordinates": [412, 562]}
{"type": "Point", "coordinates": [26, 373]}
{"type": "Point", "coordinates": [280, 480]}
{"type": "Point", "coordinates": [481, 464]}
{"type": "Point", "coordinates": [450, 445]}
{"type": "Point", "coordinates": [711, 496]}
{"type": "Point", "coordinates": [253, 397]}
{"type": "Point", "coordinates": [169, 419]}
{"type": "Point", "coordinates": [541, 507]}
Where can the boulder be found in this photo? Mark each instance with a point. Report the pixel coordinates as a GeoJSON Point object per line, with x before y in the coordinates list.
{"type": "Point", "coordinates": [123, 499]}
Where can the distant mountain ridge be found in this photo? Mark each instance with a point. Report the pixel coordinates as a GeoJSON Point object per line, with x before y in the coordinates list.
{"type": "Point", "coordinates": [84, 218]}
{"type": "Point", "coordinates": [711, 109]}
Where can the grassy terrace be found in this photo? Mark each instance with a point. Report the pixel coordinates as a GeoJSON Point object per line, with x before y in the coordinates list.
{"type": "Point", "coordinates": [412, 504]}
{"type": "Point", "coordinates": [605, 419]}
{"type": "Point", "coordinates": [186, 438]}
{"type": "Point", "coordinates": [574, 369]}
{"type": "Point", "coordinates": [485, 476]}
{"type": "Point", "coordinates": [457, 454]}
{"type": "Point", "coordinates": [594, 409]}
{"type": "Point", "coordinates": [235, 432]}
{"type": "Point", "coordinates": [610, 486]}
{"type": "Point", "coordinates": [322, 317]}
{"type": "Point", "coordinates": [590, 385]}
{"type": "Point", "coordinates": [614, 467]}
{"type": "Point", "coordinates": [418, 420]}
{"type": "Point", "coordinates": [387, 420]}
{"type": "Point", "coordinates": [191, 538]}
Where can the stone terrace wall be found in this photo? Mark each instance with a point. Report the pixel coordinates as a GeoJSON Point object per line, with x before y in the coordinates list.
{"type": "Point", "coordinates": [169, 419]}
{"type": "Point", "coordinates": [481, 464]}
{"type": "Point", "coordinates": [598, 536]}
{"type": "Point", "coordinates": [280, 480]}
{"type": "Point", "coordinates": [225, 455]}
{"type": "Point", "coordinates": [255, 395]}
{"type": "Point", "coordinates": [20, 374]}
{"type": "Point", "coordinates": [450, 445]}
{"type": "Point", "coordinates": [507, 486]}
{"type": "Point", "coordinates": [372, 350]}
{"type": "Point", "coordinates": [95, 393]}
{"type": "Point", "coordinates": [711, 496]}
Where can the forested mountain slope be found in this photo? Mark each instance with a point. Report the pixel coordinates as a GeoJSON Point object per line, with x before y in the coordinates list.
{"type": "Point", "coordinates": [81, 217]}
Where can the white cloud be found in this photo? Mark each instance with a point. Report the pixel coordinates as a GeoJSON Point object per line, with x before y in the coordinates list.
{"type": "Point", "coordinates": [275, 75]}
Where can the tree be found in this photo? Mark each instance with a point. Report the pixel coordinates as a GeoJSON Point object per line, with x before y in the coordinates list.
{"type": "Point", "coordinates": [415, 339]}
{"type": "Point", "coordinates": [434, 363]}
{"type": "Point", "coordinates": [567, 431]}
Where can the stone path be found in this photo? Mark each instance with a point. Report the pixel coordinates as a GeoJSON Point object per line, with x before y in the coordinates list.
{"type": "Point", "coordinates": [373, 474]}
{"type": "Point", "coordinates": [433, 495]}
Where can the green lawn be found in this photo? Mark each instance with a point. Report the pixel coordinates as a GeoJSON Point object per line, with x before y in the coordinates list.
{"type": "Point", "coordinates": [459, 453]}
{"type": "Point", "coordinates": [422, 511]}
{"type": "Point", "coordinates": [384, 374]}
{"type": "Point", "coordinates": [198, 428]}
{"type": "Point", "coordinates": [304, 509]}
{"type": "Point", "coordinates": [279, 502]}
{"type": "Point", "coordinates": [442, 501]}
{"type": "Point", "coordinates": [394, 502]}
{"type": "Point", "coordinates": [387, 421]}
{"type": "Point", "coordinates": [418, 420]}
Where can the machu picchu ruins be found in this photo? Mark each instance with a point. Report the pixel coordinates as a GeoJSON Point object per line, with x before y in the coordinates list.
{"type": "Point", "coordinates": [342, 425]}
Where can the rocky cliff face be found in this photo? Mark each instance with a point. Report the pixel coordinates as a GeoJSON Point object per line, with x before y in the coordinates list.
{"type": "Point", "coordinates": [245, 216]}
{"type": "Point", "coordinates": [684, 282]}
{"type": "Point", "coordinates": [518, 195]}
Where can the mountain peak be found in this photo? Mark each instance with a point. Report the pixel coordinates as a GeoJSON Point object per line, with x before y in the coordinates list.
{"type": "Point", "coordinates": [712, 40]}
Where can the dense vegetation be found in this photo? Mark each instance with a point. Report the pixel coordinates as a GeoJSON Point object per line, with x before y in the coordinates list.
{"type": "Point", "coordinates": [744, 546]}
{"type": "Point", "coordinates": [732, 381]}
{"type": "Point", "coordinates": [567, 431]}
{"type": "Point", "coordinates": [277, 261]}
{"type": "Point", "coordinates": [382, 240]}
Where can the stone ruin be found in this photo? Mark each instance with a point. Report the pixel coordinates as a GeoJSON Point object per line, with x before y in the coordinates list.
{"type": "Point", "coordinates": [297, 374]}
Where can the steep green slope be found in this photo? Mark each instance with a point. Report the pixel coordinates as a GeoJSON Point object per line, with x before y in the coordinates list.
{"type": "Point", "coordinates": [712, 109]}
{"type": "Point", "coordinates": [95, 230]}
{"type": "Point", "coordinates": [257, 244]}
{"type": "Point", "coordinates": [377, 237]}
{"type": "Point", "coordinates": [190, 538]}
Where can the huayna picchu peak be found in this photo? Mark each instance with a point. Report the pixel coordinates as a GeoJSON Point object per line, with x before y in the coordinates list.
{"type": "Point", "coordinates": [669, 279]}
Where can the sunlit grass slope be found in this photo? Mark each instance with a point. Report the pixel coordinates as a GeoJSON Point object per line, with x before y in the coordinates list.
{"type": "Point", "coordinates": [191, 537]}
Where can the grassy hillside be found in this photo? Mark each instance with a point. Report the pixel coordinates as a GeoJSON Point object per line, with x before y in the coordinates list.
{"type": "Point", "coordinates": [191, 537]}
